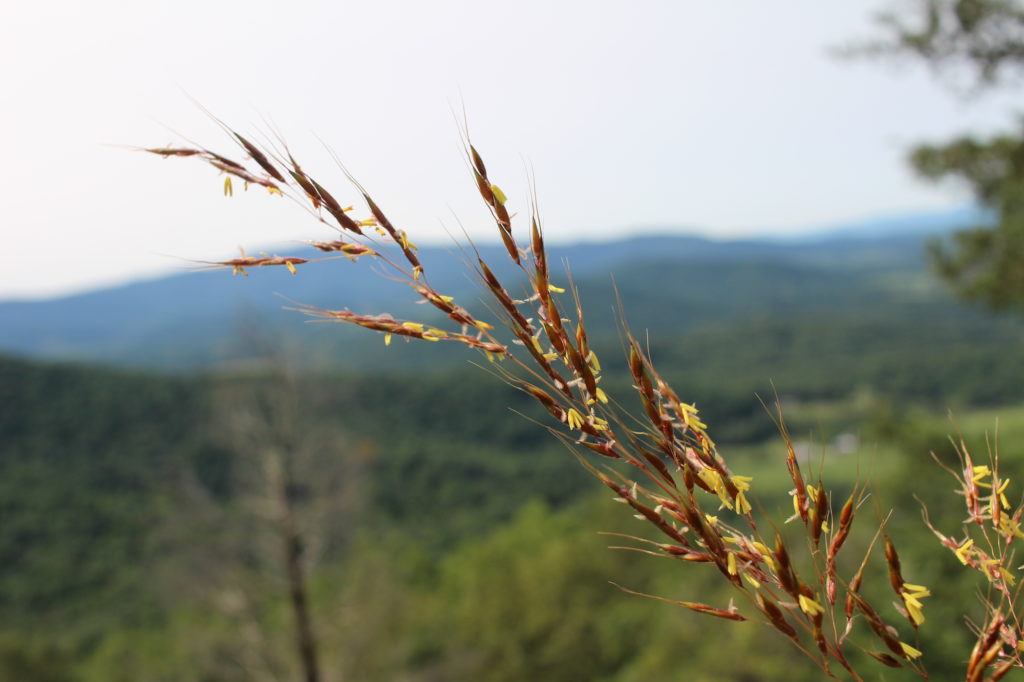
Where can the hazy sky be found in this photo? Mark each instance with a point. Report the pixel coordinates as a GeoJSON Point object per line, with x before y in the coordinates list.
{"type": "Point", "coordinates": [726, 118]}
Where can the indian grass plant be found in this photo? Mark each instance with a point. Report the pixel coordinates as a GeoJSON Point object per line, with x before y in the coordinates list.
{"type": "Point", "coordinates": [798, 575]}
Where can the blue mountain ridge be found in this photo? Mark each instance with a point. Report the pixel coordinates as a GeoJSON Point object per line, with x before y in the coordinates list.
{"type": "Point", "coordinates": [195, 319]}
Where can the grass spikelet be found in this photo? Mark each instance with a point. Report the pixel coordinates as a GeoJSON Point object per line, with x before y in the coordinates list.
{"type": "Point", "coordinates": [819, 512]}
{"type": "Point", "coordinates": [501, 216]}
{"type": "Point", "coordinates": [885, 659]}
{"type": "Point", "coordinates": [259, 157]}
{"type": "Point", "coordinates": [694, 606]}
{"type": "Point", "coordinates": [775, 616]}
{"type": "Point", "coordinates": [892, 559]}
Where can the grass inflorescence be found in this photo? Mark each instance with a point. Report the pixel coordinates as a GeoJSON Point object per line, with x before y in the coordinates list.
{"type": "Point", "coordinates": [661, 460]}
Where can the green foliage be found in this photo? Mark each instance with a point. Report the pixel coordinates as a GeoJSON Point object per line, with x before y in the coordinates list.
{"type": "Point", "coordinates": [984, 263]}
{"type": "Point", "coordinates": [985, 37]}
{"type": "Point", "coordinates": [524, 607]}
{"type": "Point", "coordinates": [532, 600]}
{"type": "Point", "coordinates": [444, 583]}
{"type": "Point", "coordinates": [82, 457]}
{"type": "Point", "coordinates": [25, 659]}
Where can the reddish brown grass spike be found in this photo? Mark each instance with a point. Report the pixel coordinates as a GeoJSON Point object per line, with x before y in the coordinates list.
{"type": "Point", "coordinates": [260, 158]}
{"type": "Point", "coordinates": [893, 561]}
{"type": "Point", "coordinates": [571, 397]}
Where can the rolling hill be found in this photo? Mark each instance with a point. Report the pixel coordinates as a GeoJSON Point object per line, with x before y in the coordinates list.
{"type": "Point", "coordinates": [669, 283]}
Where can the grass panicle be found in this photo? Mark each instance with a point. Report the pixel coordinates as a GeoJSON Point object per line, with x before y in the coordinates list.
{"type": "Point", "coordinates": [661, 461]}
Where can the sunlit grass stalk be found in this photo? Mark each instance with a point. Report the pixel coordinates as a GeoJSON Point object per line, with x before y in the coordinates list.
{"type": "Point", "coordinates": [675, 478]}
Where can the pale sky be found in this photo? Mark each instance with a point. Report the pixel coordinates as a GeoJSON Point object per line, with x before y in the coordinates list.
{"type": "Point", "coordinates": [726, 118]}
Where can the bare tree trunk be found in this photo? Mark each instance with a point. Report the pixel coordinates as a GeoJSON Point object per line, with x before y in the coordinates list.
{"type": "Point", "coordinates": [294, 479]}
{"type": "Point", "coordinates": [305, 639]}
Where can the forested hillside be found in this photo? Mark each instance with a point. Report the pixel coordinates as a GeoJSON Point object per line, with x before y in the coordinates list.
{"type": "Point", "coordinates": [445, 533]}
{"type": "Point", "coordinates": [129, 531]}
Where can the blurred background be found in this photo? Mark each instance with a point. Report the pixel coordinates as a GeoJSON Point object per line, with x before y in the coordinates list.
{"type": "Point", "coordinates": [812, 203]}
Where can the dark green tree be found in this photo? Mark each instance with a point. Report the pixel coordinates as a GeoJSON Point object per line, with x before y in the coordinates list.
{"type": "Point", "coordinates": [982, 40]}
{"type": "Point", "coordinates": [983, 263]}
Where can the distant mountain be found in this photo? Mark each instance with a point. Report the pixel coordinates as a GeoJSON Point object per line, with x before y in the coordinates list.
{"type": "Point", "coordinates": [919, 223]}
{"type": "Point", "coordinates": [200, 319]}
